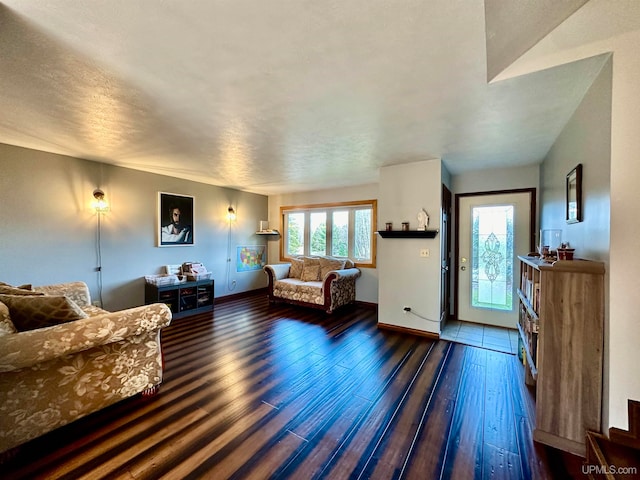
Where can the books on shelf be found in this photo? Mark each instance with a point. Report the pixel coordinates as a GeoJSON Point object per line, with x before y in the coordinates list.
{"type": "Point", "coordinates": [531, 290]}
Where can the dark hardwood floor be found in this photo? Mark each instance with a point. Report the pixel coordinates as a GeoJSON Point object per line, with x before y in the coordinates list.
{"type": "Point", "coordinates": [263, 391]}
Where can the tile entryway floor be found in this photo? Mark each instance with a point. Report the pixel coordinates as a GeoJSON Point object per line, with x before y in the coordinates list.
{"type": "Point", "coordinates": [478, 335]}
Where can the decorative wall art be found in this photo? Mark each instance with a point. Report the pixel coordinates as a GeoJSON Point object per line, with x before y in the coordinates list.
{"type": "Point", "coordinates": [175, 220]}
{"type": "Point", "coordinates": [251, 258]}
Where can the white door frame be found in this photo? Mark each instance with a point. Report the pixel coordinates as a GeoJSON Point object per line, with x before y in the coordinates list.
{"type": "Point", "coordinates": [456, 256]}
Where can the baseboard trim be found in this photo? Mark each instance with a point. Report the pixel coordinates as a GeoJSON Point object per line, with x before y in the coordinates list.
{"type": "Point", "coordinates": [410, 331]}
{"type": "Point", "coordinates": [238, 296]}
{"type": "Point", "coordinates": [373, 306]}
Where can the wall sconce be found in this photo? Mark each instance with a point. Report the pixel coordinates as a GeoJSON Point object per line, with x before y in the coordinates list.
{"type": "Point", "coordinates": [231, 214]}
{"type": "Point", "coordinates": [100, 204]}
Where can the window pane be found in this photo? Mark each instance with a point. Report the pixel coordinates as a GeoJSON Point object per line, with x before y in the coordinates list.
{"type": "Point", "coordinates": [340, 234]}
{"type": "Point", "coordinates": [362, 235]}
{"type": "Point", "coordinates": [295, 234]}
{"type": "Point", "coordinates": [492, 257]}
{"type": "Point", "coordinates": [341, 229]}
{"type": "Point", "coordinates": [318, 230]}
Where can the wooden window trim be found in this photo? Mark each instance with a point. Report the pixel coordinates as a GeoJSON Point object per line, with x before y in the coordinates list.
{"type": "Point", "coordinates": [333, 205]}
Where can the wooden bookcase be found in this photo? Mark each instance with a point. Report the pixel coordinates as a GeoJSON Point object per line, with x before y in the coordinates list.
{"type": "Point", "coordinates": [561, 322]}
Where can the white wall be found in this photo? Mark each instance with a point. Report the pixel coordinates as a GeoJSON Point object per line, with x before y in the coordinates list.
{"type": "Point", "coordinates": [49, 228]}
{"type": "Point", "coordinates": [624, 339]}
{"type": "Point", "coordinates": [367, 284]}
{"type": "Point", "coordinates": [585, 139]}
{"type": "Point", "coordinates": [497, 179]}
{"type": "Point", "coordinates": [405, 278]}
{"type": "Point", "coordinates": [602, 26]}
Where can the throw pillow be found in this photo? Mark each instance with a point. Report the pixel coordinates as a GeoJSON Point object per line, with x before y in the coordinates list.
{"type": "Point", "coordinates": [26, 286]}
{"type": "Point", "coordinates": [21, 290]}
{"type": "Point", "coordinates": [310, 270]}
{"type": "Point", "coordinates": [310, 273]}
{"type": "Point", "coordinates": [30, 312]}
{"type": "Point", "coordinates": [295, 270]}
{"type": "Point", "coordinates": [6, 325]}
{"type": "Point", "coordinates": [328, 264]}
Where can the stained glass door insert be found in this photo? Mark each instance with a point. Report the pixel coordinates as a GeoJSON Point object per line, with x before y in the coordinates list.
{"type": "Point", "coordinates": [492, 257]}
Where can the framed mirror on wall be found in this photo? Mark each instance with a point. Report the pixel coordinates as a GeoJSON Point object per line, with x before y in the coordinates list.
{"type": "Point", "coordinates": [574, 195]}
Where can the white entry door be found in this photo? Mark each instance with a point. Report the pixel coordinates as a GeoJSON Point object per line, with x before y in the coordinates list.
{"type": "Point", "coordinates": [494, 230]}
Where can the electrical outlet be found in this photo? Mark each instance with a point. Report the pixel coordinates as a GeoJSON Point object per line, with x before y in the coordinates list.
{"type": "Point", "coordinates": [424, 252]}
{"type": "Point", "coordinates": [233, 282]}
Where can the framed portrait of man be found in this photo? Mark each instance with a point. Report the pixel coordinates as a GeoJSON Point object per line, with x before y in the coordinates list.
{"type": "Point", "coordinates": [175, 220]}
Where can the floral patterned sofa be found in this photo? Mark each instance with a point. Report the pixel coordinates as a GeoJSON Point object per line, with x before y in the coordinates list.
{"type": "Point", "coordinates": [319, 282]}
{"type": "Point", "coordinates": [62, 358]}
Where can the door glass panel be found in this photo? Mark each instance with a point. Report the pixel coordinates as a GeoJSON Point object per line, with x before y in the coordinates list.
{"type": "Point", "coordinates": [492, 257]}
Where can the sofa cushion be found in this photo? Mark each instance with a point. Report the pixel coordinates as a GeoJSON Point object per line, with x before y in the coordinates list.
{"type": "Point", "coordinates": [327, 264]}
{"type": "Point", "coordinates": [295, 270]}
{"type": "Point", "coordinates": [310, 270]}
{"type": "Point", "coordinates": [6, 325]}
{"type": "Point", "coordinates": [294, 289]}
{"type": "Point", "coordinates": [30, 312]}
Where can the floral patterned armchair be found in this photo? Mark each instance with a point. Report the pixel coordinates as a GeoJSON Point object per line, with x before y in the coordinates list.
{"type": "Point", "coordinates": [54, 375]}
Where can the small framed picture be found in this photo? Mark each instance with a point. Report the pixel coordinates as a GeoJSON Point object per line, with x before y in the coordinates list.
{"type": "Point", "coordinates": [574, 195]}
{"type": "Point", "coordinates": [175, 220]}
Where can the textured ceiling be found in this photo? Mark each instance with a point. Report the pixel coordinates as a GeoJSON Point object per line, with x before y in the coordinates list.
{"type": "Point", "coordinates": [272, 97]}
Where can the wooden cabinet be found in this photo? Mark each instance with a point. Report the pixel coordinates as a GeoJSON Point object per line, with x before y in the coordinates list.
{"type": "Point", "coordinates": [561, 323]}
{"type": "Point", "coordinates": [183, 299]}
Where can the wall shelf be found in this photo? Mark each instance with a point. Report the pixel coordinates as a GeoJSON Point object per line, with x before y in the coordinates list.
{"type": "Point", "coordinates": [268, 232]}
{"type": "Point", "coordinates": [408, 233]}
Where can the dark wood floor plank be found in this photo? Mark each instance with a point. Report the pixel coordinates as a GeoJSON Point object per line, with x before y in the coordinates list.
{"type": "Point", "coordinates": [464, 452]}
{"type": "Point", "coordinates": [362, 443]}
{"type": "Point", "coordinates": [200, 446]}
{"type": "Point", "coordinates": [326, 442]}
{"type": "Point", "coordinates": [323, 399]}
{"type": "Point", "coordinates": [429, 446]}
{"type": "Point", "coordinates": [395, 445]}
{"type": "Point", "coordinates": [301, 405]}
{"type": "Point", "coordinates": [271, 461]}
{"type": "Point", "coordinates": [501, 464]}
{"type": "Point", "coordinates": [534, 459]}
{"type": "Point", "coordinates": [499, 419]}
{"type": "Point", "coordinates": [257, 391]}
{"type": "Point", "coordinates": [319, 428]}
{"type": "Point", "coordinates": [112, 465]}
